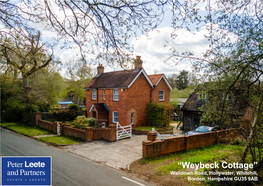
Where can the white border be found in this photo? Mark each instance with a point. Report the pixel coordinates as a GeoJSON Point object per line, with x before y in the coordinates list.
{"type": "Point", "coordinates": [28, 157]}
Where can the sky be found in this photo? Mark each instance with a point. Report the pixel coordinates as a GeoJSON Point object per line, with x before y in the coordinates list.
{"type": "Point", "coordinates": [151, 48]}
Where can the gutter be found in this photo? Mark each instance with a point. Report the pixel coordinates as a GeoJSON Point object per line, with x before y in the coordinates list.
{"type": "Point", "coordinates": [151, 93]}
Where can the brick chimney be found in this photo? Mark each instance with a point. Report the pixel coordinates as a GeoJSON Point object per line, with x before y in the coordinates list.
{"type": "Point", "coordinates": [137, 63]}
{"type": "Point", "coordinates": [100, 69]}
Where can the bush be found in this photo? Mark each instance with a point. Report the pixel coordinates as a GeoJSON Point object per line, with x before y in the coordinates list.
{"type": "Point", "coordinates": [92, 121]}
{"type": "Point", "coordinates": [74, 107]}
{"type": "Point", "coordinates": [65, 115]}
{"type": "Point", "coordinates": [81, 122]}
{"type": "Point", "coordinates": [159, 114]}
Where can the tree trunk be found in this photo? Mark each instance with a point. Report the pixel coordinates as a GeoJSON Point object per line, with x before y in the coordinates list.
{"type": "Point", "coordinates": [252, 130]}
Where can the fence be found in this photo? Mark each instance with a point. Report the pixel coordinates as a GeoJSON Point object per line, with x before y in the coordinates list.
{"type": "Point", "coordinates": [50, 116]}
{"type": "Point", "coordinates": [29, 118]}
{"type": "Point", "coordinates": [153, 148]}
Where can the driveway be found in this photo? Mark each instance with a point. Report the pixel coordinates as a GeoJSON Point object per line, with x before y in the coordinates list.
{"type": "Point", "coordinates": [113, 154]}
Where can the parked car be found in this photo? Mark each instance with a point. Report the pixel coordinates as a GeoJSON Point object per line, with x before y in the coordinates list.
{"type": "Point", "coordinates": [200, 130]}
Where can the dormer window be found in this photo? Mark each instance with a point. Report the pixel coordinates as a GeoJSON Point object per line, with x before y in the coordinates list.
{"type": "Point", "coordinates": [115, 94]}
{"type": "Point", "coordinates": [93, 94]}
{"type": "Point", "coordinates": [202, 95]}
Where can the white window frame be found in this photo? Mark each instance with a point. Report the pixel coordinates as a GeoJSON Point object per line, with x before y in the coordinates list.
{"type": "Point", "coordinates": [103, 94]}
{"type": "Point", "coordinates": [161, 99]}
{"type": "Point", "coordinates": [114, 119]}
{"type": "Point", "coordinates": [115, 96]}
{"type": "Point", "coordinates": [132, 117]}
{"type": "Point", "coordinates": [202, 95]}
{"type": "Point", "coordinates": [94, 96]}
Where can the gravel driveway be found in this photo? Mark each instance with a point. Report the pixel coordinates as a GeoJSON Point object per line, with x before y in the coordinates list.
{"type": "Point", "coordinates": [114, 154]}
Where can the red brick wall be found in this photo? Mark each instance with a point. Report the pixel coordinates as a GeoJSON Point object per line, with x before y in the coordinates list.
{"type": "Point", "coordinates": [155, 93]}
{"type": "Point", "coordinates": [77, 133]}
{"type": "Point", "coordinates": [133, 99]}
{"type": "Point", "coordinates": [171, 145]}
{"type": "Point", "coordinates": [89, 134]}
{"type": "Point", "coordinates": [46, 125]}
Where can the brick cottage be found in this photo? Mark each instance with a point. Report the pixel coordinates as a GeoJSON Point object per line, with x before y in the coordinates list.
{"type": "Point", "coordinates": [122, 96]}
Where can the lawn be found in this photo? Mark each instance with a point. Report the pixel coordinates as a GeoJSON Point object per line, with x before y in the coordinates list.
{"type": "Point", "coordinates": [149, 128]}
{"type": "Point", "coordinates": [61, 140]}
{"type": "Point", "coordinates": [25, 129]}
{"type": "Point", "coordinates": [159, 169]}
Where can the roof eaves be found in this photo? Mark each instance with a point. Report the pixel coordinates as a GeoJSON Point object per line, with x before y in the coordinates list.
{"type": "Point", "coordinates": [92, 108]}
{"type": "Point", "coordinates": [144, 73]}
{"type": "Point", "coordinates": [166, 81]}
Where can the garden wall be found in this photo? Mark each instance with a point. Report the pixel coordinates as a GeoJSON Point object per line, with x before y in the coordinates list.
{"type": "Point", "coordinates": [89, 134]}
{"type": "Point", "coordinates": [153, 147]}
{"type": "Point", "coordinates": [51, 126]}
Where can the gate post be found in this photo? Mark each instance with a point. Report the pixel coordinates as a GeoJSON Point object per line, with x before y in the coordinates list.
{"type": "Point", "coordinates": [112, 134]}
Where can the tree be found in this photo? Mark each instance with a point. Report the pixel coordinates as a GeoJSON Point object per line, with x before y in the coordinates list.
{"type": "Point", "coordinates": [80, 74]}
{"type": "Point", "coordinates": [182, 80]}
{"type": "Point", "coordinates": [172, 80]}
{"type": "Point", "coordinates": [234, 62]}
{"type": "Point", "coordinates": [102, 28]}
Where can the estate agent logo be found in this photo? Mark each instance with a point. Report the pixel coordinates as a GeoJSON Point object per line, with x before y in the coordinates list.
{"type": "Point", "coordinates": [26, 170]}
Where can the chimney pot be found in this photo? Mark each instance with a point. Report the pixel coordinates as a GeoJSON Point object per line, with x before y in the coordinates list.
{"type": "Point", "coordinates": [138, 63]}
{"type": "Point", "coordinates": [100, 69]}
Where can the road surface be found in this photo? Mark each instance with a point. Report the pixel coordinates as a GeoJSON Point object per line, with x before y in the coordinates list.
{"type": "Point", "coordinates": [67, 169]}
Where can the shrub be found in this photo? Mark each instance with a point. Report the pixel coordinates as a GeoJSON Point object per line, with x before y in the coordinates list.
{"type": "Point", "coordinates": [92, 121]}
{"type": "Point", "coordinates": [160, 114]}
{"type": "Point", "coordinates": [84, 109]}
{"type": "Point", "coordinates": [74, 107]}
{"type": "Point", "coordinates": [81, 122]}
{"type": "Point", "coordinates": [65, 115]}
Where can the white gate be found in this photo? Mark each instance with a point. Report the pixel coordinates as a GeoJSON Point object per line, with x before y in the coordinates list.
{"type": "Point", "coordinates": [123, 131]}
{"type": "Point", "coordinates": [58, 128]}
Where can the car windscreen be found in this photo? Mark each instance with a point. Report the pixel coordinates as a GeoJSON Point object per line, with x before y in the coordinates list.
{"type": "Point", "coordinates": [202, 129]}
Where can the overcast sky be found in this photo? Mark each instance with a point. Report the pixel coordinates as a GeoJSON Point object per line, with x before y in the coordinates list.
{"type": "Point", "coordinates": [151, 49]}
{"type": "Point", "coordinates": [153, 53]}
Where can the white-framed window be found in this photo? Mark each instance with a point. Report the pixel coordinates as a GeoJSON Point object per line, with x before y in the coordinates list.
{"type": "Point", "coordinates": [161, 95]}
{"type": "Point", "coordinates": [202, 95]}
{"type": "Point", "coordinates": [94, 94]}
{"type": "Point", "coordinates": [103, 94]}
{"type": "Point", "coordinates": [132, 117]}
{"type": "Point", "coordinates": [115, 117]}
{"type": "Point", "coordinates": [115, 94]}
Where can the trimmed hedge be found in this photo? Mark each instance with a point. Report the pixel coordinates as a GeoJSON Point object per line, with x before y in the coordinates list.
{"type": "Point", "coordinates": [159, 114]}
{"type": "Point", "coordinates": [74, 107]}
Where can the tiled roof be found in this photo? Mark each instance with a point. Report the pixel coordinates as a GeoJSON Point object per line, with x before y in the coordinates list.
{"type": "Point", "coordinates": [155, 78]}
{"type": "Point", "coordinates": [115, 79]}
{"type": "Point", "coordinates": [192, 103]}
{"type": "Point", "coordinates": [100, 107]}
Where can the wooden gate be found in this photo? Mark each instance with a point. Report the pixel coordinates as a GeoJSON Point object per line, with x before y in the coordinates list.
{"type": "Point", "coordinates": [123, 131]}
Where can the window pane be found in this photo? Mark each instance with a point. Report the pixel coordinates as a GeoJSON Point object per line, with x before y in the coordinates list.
{"type": "Point", "coordinates": [115, 117]}
{"type": "Point", "coordinates": [161, 94]}
{"type": "Point", "coordinates": [93, 94]}
{"type": "Point", "coordinates": [116, 94]}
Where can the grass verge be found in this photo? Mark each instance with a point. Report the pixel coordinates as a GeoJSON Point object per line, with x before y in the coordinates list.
{"type": "Point", "coordinates": [61, 140]}
{"type": "Point", "coordinates": [25, 129]}
{"type": "Point", "coordinates": [149, 128]}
